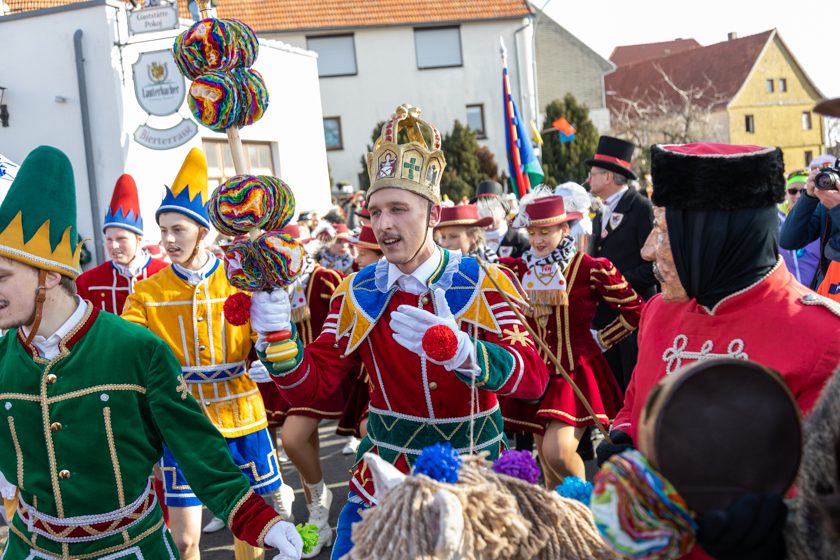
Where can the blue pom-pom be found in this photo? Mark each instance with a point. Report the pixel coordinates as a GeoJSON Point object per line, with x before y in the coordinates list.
{"type": "Point", "coordinates": [575, 488]}
{"type": "Point", "coordinates": [440, 462]}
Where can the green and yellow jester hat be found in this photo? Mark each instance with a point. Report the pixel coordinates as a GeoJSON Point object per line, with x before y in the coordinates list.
{"type": "Point", "coordinates": [38, 215]}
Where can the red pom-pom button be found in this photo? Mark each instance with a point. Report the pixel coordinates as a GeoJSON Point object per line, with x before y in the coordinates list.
{"type": "Point", "coordinates": [238, 309]}
{"type": "Point", "coordinates": [440, 343]}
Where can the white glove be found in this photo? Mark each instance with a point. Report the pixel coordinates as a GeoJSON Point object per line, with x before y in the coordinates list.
{"type": "Point", "coordinates": [410, 324]}
{"type": "Point", "coordinates": [270, 311]}
{"type": "Point", "coordinates": [285, 538]}
{"type": "Point", "coordinates": [7, 489]}
{"type": "Point", "coordinates": [258, 373]}
{"type": "Point", "coordinates": [598, 340]}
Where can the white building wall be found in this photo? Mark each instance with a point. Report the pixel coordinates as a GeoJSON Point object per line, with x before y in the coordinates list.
{"type": "Point", "coordinates": [292, 123]}
{"type": "Point", "coordinates": [387, 76]}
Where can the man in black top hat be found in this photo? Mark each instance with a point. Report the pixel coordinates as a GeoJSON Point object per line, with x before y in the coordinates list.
{"type": "Point", "coordinates": [503, 240]}
{"type": "Point", "coordinates": [618, 233]}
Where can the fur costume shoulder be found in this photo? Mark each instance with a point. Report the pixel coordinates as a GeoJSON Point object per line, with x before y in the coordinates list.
{"type": "Point", "coordinates": [365, 295]}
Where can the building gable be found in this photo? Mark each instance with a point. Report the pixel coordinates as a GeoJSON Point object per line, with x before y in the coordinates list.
{"type": "Point", "coordinates": [629, 54]}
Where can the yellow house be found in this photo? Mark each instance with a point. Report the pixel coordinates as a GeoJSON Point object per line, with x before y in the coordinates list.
{"type": "Point", "coordinates": [748, 90]}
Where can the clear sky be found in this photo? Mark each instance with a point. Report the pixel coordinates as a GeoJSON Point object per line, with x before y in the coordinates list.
{"type": "Point", "coordinates": [810, 28]}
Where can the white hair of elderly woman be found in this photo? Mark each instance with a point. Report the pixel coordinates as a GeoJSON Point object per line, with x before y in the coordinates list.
{"type": "Point", "coordinates": [576, 199]}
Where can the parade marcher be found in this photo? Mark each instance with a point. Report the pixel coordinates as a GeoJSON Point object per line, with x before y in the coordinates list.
{"type": "Point", "coordinates": [109, 284]}
{"type": "Point", "coordinates": [802, 263]}
{"type": "Point", "coordinates": [310, 304]}
{"type": "Point", "coordinates": [725, 290]}
{"type": "Point", "coordinates": [334, 253]}
{"type": "Point", "coordinates": [460, 229]}
{"type": "Point", "coordinates": [565, 286]}
{"type": "Point", "coordinates": [501, 239]}
{"type": "Point", "coordinates": [618, 233]}
{"type": "Point", "coordinates": [183, 305]}
{"type": "Point", "coordinates": [353, 421]}
{"type": "Point", "coordinates": [91, 400]}
{"type": "Point", "coordinates": [380, 315]}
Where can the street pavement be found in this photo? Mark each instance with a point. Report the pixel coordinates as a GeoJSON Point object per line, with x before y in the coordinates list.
{"type": "Point", "coordinates": [219, 546]}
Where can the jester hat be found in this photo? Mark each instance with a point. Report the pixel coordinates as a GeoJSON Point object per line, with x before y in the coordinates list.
{"type": "Point", "coordinates": [188, 194]}
{"type": "Point", "coordinates": [124, 210]}
{"type": "Point", "coordinates": [38, 215]}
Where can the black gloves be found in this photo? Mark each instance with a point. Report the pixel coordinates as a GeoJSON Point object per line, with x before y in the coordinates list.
{"type": "Point", "coordinates": [749, 529]}
{"type": "Point", "coordinates": [621, 442]}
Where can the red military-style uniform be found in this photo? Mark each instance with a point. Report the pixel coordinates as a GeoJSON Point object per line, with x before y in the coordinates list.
{"type": "Point", "coordinates": [107, 288]}
{"type": "Point", "coordinates": [415, 403]}
{"type": "Point", "coordinates": [566, 331]}
{"type": "Point", "coordinates": [309, 319]}
{"type": "Point", "coordinates": [776, 322]}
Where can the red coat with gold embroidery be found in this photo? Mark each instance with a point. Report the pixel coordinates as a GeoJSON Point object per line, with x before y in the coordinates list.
{"type": "Point", "coordinates": [107, 289]}
{"type": "Point", "coordinates": [415, 403]}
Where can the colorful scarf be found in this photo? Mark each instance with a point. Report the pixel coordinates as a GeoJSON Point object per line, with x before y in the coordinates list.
{"type": "Point", "coordinates": [544, 282]}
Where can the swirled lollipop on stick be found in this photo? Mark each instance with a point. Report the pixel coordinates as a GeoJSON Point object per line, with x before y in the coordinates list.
{"type": "Point", "coordinates": [214, 99]}
{"type": "Point", "coordinates": [241, 204]}
{"type": "Point", "coordinates": [284, 204]}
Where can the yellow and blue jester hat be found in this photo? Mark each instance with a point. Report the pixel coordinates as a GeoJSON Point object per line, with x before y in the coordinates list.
{"type": "Point", "coordinates": [188, 194]}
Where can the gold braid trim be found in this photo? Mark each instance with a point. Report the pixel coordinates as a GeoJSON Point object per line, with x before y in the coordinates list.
{"type": "Point", "coordinates": [18, 452]}
{"type": "Point", "coordinates": [238, 505]}
{"type": "Point", "coordinates": [112, 449]}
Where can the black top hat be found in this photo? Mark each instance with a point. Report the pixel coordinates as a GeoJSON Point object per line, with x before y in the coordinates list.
{"type": "Point", "coordinates": [614, 154]}
{"type": "Point", "coordinates": [488, 188]}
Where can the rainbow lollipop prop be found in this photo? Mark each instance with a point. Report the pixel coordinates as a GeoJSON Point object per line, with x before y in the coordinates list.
{"type": "Point", "coordinates": [246, 205]}
{"type": "Point", "coordinates": [226, 94]}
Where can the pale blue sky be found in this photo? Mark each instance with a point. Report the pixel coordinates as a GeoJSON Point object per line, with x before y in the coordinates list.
{"type": "Point", "coordinates": [810, 28]}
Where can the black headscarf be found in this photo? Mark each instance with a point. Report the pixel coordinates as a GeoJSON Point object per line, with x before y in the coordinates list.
{"type": "Point", "coordinates": [720, 252]}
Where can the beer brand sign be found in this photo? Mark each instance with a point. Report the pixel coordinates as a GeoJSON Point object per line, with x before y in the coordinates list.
{"type": "Point", "coordinates": [158, 85]}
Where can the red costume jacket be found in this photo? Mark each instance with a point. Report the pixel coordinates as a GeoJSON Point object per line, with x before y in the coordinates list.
{"type": "Point", "coordinates": [107, 289]}
{"type": "Point", "coordinates": [776, 322]}
{"type": "Point", "coordinates": [415, 403]}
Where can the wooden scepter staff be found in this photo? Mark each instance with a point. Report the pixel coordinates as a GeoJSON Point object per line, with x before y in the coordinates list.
{"type": "Point", "coordinates": [544, 347]}
{"type": "Point", "coordinates": [237, 152]}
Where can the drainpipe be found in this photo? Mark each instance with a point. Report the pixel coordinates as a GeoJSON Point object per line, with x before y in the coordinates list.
{"type": "Point", "coordinates": [91, 172]}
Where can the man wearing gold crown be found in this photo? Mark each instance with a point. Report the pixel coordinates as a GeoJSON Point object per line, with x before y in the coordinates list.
{"type": "Point", "coordinates": [183, 305]}
{"type": "Point", "coordinates": [90, 400]}
{"type": "Point", "coordinates": [420, 394]}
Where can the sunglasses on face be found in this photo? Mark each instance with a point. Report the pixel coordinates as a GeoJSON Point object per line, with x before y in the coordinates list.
{"type": "Point", "coordinates": [794, 192]}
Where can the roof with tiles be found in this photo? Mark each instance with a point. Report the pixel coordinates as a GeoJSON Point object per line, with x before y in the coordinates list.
{"type": "Point", "coordinates": [718, 70]}
{"type": "Point", "coordinates": [306, 15]}
{"type": "Point", "coordinates": [629, 54]}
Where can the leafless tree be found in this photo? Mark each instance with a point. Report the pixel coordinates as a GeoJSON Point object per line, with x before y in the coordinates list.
{"type": "Point", "coordinates": [832, 136]}
{"type": "Point", "coordinates": [667, 113]}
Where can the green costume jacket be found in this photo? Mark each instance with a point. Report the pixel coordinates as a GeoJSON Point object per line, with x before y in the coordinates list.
{"type": "Point", "coordinates": [81, 433]}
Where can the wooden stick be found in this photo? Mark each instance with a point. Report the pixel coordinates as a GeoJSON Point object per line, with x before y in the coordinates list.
{"type": "Point", "coordinates": [236, 151]}
{"type": "Point", "coordinates": [544, 347]}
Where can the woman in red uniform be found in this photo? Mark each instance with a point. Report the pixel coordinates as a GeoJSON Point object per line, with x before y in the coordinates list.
{"type": "Point", "coordinates": [565, 287]}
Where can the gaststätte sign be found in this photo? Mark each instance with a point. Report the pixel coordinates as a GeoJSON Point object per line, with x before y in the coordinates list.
{"type": "Point", "coordinates": [149, 20]}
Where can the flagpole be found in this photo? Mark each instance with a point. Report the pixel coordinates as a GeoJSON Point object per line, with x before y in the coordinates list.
{"type": "Point", "coordinates": [514, 160]}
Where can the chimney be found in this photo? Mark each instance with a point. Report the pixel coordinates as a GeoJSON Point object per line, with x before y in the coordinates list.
{"type": "Point", "coordinates": [731, 35]}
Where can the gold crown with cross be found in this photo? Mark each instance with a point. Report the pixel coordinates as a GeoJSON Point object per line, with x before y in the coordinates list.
{"type": "Point", "coordinates": [412, 166]}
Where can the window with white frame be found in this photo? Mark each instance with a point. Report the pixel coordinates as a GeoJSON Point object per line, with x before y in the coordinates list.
{"type": "Point", "coordinates": [438, 47]}
{"type": "Point", "coordinates": [336, 54]}
{"type": "Point", "coordinates": [806, 120]}
{"type": "Point", "coordinates": [220, 162]}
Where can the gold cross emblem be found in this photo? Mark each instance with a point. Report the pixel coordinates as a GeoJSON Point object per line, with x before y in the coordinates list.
{"type": "Point", "coordinates": [182, 388]}
{"type": "Point", "coordinates": [515, 336]}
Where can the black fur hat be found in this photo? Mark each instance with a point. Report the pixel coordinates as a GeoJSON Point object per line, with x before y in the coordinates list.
{"type": "Point", "coordinates": [707, 176]}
